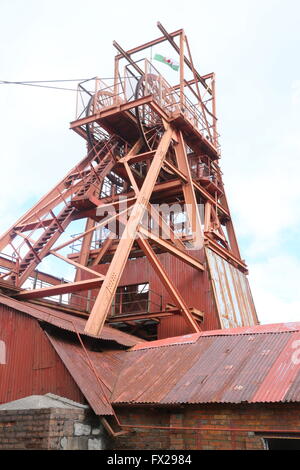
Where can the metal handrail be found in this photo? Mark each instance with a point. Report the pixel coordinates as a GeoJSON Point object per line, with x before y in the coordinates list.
{"type": "Point", "coordinates": [86, 302]}
{"type": "Point", "coordinates": [116, 92]}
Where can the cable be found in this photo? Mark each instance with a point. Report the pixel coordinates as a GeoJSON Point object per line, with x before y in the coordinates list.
{"type": "Point", "coordinates": [53, 81]}
{"type": "Point", "coordinates": [3, 82]}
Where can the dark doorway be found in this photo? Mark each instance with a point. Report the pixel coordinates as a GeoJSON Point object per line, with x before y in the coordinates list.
{"type": "Point", "coordinates": [283, 444]}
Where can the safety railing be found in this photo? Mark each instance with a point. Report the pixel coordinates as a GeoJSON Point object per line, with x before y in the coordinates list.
{"type": "Point", "coordinates": [96, 94]}
{"type": "Point", "coordinates": [121, 305]}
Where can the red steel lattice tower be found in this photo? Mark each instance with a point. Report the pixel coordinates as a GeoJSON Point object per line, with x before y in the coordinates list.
{"type": "Point", "coordinates": [159, 255]}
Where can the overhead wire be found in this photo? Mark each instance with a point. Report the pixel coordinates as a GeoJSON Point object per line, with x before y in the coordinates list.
{"type": "Point", "coordinates": [38, 83]}
{"type": "Point", "coordinates": [3, 82]}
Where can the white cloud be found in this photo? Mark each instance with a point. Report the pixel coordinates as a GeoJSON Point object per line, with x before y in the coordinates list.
{"type": "Point", "coordinates": [275, 287]}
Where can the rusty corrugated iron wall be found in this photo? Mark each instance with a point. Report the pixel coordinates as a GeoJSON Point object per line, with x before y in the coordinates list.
{"type": "Point", "coordinates": [31, 365]}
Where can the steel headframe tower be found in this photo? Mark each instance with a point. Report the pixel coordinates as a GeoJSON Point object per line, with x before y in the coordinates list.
{"type": "Point", "coordinates": [149, 143]}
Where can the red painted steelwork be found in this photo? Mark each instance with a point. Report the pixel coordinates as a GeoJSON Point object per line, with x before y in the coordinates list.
{"type": "Point", "coordinates": [32, 366]}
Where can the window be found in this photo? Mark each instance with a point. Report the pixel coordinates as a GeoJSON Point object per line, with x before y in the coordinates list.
{"type": "Point", "coordinates": [131, 299]}
{"type": "Point", "coordinates": [283, 443]}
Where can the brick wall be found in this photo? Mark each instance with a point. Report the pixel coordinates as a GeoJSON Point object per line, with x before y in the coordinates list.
{"type": "Point", "coordinates": [141, 438]}
{"type": "Point", "coordinates": [52, 428]}
{"type": "Point", "coordinates": [256, 417]}
{"type": "Point", "coordinates": [80, 429]}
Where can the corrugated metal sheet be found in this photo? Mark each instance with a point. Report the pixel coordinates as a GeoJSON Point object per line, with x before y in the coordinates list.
{"type": "Point", "coordinates": [253, 364]}
{"type": "Point", "coordinates": [107, 366]}
{"type": "Point", "coordinates": [67, 321]}
{"type": "Point", "coordinates": [192, 338]}
{"type": "Point", "coordinates": [31, 366]}
{"type": "Point", "coordinates": [232, 293]}
{"type": "Point", "coordinates": [220, 367]}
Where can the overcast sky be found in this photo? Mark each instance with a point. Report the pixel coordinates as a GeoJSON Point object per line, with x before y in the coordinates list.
{"type": "Point", "coordinates": [253, 46]}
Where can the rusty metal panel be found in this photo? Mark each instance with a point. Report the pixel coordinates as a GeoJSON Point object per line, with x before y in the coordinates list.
{"type": "Point", "coordinates": [214, 367]}
{"type": "Point", "coordinates": [67, 321]}
{"type": "Point", "coordinates": [232, 293]}
{"type": "Point", "coordinates": [284, 372]}
{"type": "Point", "coordinates": [97, 382]}
{"type": "Point", "coordinates": [31, 365]}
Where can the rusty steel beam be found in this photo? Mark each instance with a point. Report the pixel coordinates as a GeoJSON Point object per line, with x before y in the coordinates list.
{"type": "Point", "coordinates": [138, 157]}
{"type": "Point", "coordinates": [101, 224]}
{"type": "Point", "coordinates": [169, 37]}
{"type": "Point", "coordinates": [79, 266]}
{"type": "Point", "coordinates": [174, 250]}
{"type": "Point", "coordinates": [189, 193]}
{"type": "Point", "coordinates": [168, 284]}
{"type": "Point", "coordinates": [193, 81]}
{"type": "Point", "coordinates": [225, 253]}
{"type": "Point", "coordinates": [141, 316]}
{"type": "Point", "coordinates": [85, 247]}
{"type": "Point", "coordinates": [48, 201]}
{"type": "Point", "coordinates": [39, 275]}
{"type": "Point", "coordinates": [149, 44]}
{"type": "Point", "coordinates": [103, 302]}
{"type": "Point", "coordinates": [112, 110]}
{"type": "Point", "coordinates": [103, 250]}
{"type": "Point", "coordinates": [128, 58]}
{"type": "Point", "coordinates": [165, 228]}
{"type": "Point", "coordinates": [60, 289]}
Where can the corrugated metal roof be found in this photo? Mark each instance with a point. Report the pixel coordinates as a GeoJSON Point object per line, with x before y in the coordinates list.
{"type": "Point", "coordinates": [67, 321]}
{"type": "Point", "coordinates": [192, 338]}
{"type": "Point", "coordinates": [106, 364]}
{"type": "Point", "coordinates": [253, 364]}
